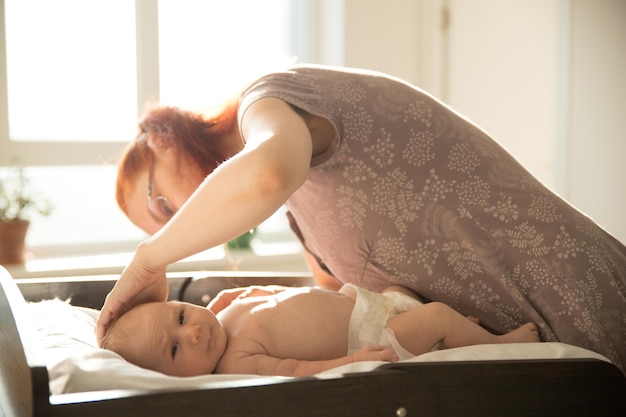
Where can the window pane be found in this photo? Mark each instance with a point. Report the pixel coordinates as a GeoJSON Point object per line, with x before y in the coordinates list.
{"type": "Point", "coordinates": [71, 69]}
{"type": "Point", "coordinates": [208, 50]}
{"type": "Point", "coordinates": [83, 210]}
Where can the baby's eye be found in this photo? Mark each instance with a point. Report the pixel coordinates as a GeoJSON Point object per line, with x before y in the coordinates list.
{"type": "Point", "coordinates": [174, 349]}
{"type": "Point", "coordinates": [181, 317]}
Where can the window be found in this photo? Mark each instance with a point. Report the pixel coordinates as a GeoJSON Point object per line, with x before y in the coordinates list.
{"type": "Point", "coordinates": [207, 43]}
{"type": "Point", "coordinates": [75, 76]}
{"type": "Point", "coordinates": [63, 55]}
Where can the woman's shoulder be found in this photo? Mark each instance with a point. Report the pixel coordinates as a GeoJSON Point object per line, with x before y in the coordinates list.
{"type": "Point", "coordinates": [338, 70]}
{"type": "Point", "coordinates": [312, 73]}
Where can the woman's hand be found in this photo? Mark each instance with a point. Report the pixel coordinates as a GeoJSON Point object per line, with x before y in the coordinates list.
{"type": "Point", "coordinates": [138, 284]}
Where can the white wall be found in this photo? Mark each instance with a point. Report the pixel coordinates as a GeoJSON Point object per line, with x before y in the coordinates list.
{"type": "Point", "coordinates": [596, 169]}
{"type": "Point", "coordinates": [544, 77]}
{"type": "Point", "coordinates": [502, 71]}
{"type": "Point", "coordinates": [373, 34]}
{"type": "Point", "coordinates": [383, 40]}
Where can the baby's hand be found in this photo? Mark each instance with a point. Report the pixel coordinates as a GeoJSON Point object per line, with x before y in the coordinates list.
{"type": "Point", "coordinates": [261, 291]}
{"type": "Point", "coordinates": [375, 353]}
{"type": "Point", "coordinates": [225, 297]}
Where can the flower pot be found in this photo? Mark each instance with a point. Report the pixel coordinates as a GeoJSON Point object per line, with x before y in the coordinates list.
{"type": "Point", "coordinates": [12, 241]}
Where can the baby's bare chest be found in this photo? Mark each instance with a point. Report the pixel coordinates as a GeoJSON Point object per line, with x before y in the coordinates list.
{"type": "Point", "coordinates": [309, 325]}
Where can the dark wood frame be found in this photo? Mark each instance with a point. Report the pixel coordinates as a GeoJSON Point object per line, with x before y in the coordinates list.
{"type": "Point", "coordinates": [560, 387]}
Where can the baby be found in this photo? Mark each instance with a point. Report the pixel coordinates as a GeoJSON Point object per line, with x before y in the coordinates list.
{"type": "Point", "coordinates": [292, 331]}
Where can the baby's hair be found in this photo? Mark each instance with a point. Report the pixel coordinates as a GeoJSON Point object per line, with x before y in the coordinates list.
{"type": "Point", "coordinates": [115, 335]}
{"type": "Point", "coordinates": [108, 340]}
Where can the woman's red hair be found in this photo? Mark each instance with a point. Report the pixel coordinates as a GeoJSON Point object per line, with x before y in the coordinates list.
{"type": "Point", "coordinates": [207, 141]}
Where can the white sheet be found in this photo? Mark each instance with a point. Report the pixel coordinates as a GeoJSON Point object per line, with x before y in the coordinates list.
{"type": "Point", "coordinates": [76, 364]}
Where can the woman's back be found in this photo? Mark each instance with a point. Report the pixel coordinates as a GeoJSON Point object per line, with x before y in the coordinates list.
{"type": "Point", "coordinates": [414, 194]}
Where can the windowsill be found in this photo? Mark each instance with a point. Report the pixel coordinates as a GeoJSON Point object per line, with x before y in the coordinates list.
{"type": "Point", "coordinates": [267, 257]}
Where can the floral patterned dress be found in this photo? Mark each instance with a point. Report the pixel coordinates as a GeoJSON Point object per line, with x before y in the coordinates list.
{"type": "Point", "coordinates": [412, 193]}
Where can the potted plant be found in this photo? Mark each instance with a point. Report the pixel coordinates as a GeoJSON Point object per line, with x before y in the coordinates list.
{"type": "Point", "coordinates": [19, 202]}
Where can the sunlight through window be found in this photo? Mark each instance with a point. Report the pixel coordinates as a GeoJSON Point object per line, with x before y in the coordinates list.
{"type": "Point", "coordinates": [72, 76]}
{"type": "Point", "coordinates": [208, 50]}
{"type": "Point", "coordinates": [71, 69]}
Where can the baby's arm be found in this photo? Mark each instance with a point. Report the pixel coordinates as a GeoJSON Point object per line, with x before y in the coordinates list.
{"type": "Point", "coordinates": [225, 297]}
{"type": "Point", "coordinates": [262, 364]}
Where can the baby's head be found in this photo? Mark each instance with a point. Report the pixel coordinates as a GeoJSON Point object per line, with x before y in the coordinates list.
{"type": "Point", "coordinates": [173, 338]}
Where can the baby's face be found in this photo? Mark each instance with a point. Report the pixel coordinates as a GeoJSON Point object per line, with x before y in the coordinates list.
{"type": "Point", "coordinates": [174, 338]}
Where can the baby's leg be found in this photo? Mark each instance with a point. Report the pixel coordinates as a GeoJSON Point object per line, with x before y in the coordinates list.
{"type": "Point", "coordinates": [421, 328]}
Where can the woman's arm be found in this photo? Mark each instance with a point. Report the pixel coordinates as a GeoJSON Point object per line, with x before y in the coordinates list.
{"type": "Point", "coordinates": [243, 191]}
{"type": "Point", "coordinates": [237, 196]}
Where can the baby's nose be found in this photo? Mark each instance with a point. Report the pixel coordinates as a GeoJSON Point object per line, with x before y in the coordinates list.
{"type": "Point", "coordinates": [192, 333]}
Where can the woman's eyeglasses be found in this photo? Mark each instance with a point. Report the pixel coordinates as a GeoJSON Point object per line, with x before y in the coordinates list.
{"type": "Point", "coordinates": [159, 206]}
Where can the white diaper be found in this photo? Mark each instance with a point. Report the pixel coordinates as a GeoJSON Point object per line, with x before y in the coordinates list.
{"type": "Point", "coordinates": [369, 318]}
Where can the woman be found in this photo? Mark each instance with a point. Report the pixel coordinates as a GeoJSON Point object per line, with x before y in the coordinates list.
{"type": "Point", "coordinates": [384, 186]}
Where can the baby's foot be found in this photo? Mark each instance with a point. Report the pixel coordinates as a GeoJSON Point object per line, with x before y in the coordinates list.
{"type": "Point", "coordinates": [526, 333]}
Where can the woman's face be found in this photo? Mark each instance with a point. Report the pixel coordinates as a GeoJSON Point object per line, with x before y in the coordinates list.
{"type": "Point", "coordinates": [161, 190]}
